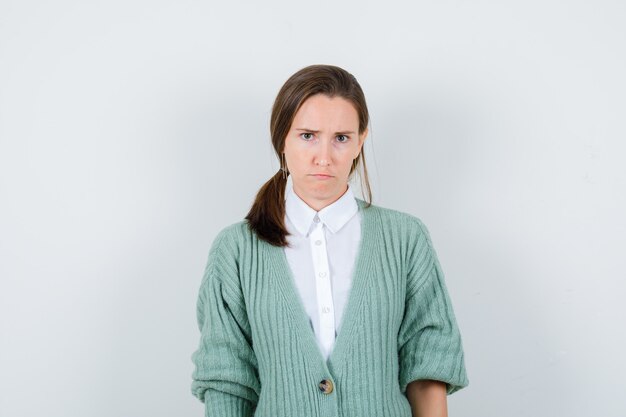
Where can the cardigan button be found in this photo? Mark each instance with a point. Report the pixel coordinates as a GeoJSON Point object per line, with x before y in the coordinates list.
{"type": "Point", "coordinates": [326, 386]}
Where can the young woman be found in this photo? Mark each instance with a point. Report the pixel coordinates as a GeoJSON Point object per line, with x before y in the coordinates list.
{"type": "Point", "coordinates": [319, 303]}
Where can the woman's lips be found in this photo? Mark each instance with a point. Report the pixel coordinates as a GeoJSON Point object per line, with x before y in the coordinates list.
{"type": "Point", "coordinates": [321, 176]}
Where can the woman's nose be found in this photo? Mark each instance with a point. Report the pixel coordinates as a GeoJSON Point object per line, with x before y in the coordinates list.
{"type": "Point", "coordinates": [323, 156]}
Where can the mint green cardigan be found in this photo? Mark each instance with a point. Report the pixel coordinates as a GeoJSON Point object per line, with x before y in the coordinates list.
{"type": "Point", "coordinates": [257, 354]}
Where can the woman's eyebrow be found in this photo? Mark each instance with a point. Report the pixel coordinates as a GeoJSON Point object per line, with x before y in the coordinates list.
{"type": "Point", "coordinates": [345, 132]}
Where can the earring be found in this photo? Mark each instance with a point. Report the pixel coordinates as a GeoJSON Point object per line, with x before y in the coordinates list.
{"type": "Point", "coordinates": [283, 166]}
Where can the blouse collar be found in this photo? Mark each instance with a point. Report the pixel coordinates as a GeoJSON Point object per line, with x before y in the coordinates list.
{"type": "Point", "coordinates": [334, 216]}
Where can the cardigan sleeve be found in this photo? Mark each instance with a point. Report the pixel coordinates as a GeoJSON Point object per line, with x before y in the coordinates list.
{"type": "Point", "coordinates": [225, 375]}
{"type": "Point", "coordinates": [429, 341]}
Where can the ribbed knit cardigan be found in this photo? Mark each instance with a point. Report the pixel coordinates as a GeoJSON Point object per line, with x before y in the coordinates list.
{"type": "Point", "coordinates": [258, 356]}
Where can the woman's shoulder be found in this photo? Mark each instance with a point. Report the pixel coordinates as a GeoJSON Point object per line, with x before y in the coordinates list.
{"type": "Point", "coordinates": [233, 230]}
{"type": "Point", "coordinates": [225, 248]}
{"type": "Point", "coordinates": [397, 219]}
{"type": "Point", "coordinates": [232, 234]}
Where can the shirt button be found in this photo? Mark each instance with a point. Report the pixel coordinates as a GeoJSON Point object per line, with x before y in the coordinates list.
{"type": "Point", "coordinates": [322, 274]}
{"type": "Point", "coordinates": [326, 386]}
{"type": "Point", "coordinates": [318, 242]}
{"type": "Point", "coordinates": [316, 219]}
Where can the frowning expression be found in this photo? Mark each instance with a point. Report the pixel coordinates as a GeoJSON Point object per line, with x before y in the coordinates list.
{"type": "Point", "coordinates": [320, 148]}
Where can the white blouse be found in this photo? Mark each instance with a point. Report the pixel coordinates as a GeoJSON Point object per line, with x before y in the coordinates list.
{"type": "Point", "coordinates": [323, 251]}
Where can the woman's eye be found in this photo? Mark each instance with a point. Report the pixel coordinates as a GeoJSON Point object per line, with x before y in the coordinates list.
{"type": "Point", "coordinates": [307, 136]}
{"type": "Point", "coordinates": [342, 136]}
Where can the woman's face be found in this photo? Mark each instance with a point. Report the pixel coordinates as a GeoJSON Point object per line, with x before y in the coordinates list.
{"type": "Point", "coordinates": [319, 149]}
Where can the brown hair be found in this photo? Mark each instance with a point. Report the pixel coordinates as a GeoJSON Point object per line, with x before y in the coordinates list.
{"type": "Point", "coordinates": [266, 216]}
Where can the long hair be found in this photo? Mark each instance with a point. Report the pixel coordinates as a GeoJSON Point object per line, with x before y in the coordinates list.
{"type": "Point", "coordinates": [267, 214]}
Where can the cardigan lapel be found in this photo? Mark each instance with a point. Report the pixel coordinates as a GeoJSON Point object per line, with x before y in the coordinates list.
{"type": "Point", "coordinates": [348, 326]}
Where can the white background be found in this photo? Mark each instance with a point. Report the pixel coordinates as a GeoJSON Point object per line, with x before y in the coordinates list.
{"type": "Point", "coordinates": [131, 132]}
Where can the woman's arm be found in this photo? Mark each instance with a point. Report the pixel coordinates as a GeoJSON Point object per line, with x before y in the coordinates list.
{"type": "Point", "coordinates": [226, 374]}
{"type": "Point", "coordinates": [428, 398]}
